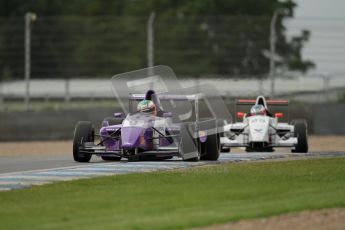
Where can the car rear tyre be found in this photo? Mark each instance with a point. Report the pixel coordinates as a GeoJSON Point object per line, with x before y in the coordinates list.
{"type": "Point", "coordinates": [84, 132]}
{"type": "Point", "coordinates": [301, 132]}
{"type": "Point", "coordinates": [212, 146]}
{"type": "Point", "coordinates": [188, 144]}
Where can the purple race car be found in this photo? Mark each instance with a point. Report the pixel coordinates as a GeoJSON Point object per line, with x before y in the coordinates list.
{"type": "Point", "coordinates": [147, 136]}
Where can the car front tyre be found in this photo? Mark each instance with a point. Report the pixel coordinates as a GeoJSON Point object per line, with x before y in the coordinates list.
{"type": "Point", "coordinates": [84, 132]}
{"type": "Point", "coordinates": [301, 132]}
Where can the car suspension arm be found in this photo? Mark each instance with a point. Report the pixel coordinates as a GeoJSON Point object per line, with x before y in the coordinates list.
{"type": "Point", "coordinates": [162, 135]}
{"type": "Point", "coordinates": [111, 136]}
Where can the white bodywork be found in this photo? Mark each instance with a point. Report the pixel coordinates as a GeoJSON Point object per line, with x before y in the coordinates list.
{"type": "Point", "coordinates": [259, 132]}
{"type": "Point", "coordinates": [258, 129]}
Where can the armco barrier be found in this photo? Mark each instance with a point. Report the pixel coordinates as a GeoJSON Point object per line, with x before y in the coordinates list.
{"type": "Point", "coordinates": [57, 125]}
{"type": "Point", "coordinates": [47, 125]}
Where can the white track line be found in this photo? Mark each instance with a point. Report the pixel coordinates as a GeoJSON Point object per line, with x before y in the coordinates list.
{"type": "Point", "coordinates": [26, 179]}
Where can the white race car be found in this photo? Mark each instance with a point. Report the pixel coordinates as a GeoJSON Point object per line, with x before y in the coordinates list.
{"type": "Point", "coordinates": [261, 131]}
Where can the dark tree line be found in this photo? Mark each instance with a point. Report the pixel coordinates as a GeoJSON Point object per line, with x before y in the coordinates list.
{"type": "Point", "coordinates": [88, 38]}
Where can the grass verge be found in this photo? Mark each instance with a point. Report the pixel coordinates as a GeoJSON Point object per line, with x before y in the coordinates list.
{"type": "Point", "coordinates": [178, 199]}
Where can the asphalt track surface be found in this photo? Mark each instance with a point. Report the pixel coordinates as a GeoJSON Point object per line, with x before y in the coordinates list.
{"type": "Point", "coordinates": [25, 172]}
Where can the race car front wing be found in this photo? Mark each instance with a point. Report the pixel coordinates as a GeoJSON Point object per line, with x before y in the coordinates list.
{"type": "Point", "coordinates": [93, 149]}
{"type": "Point", "coordinates": [241, 141]}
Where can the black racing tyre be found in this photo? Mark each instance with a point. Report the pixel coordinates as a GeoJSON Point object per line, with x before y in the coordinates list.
{"type": "Point", "coordinates": [301, 132]}
{"type": "Point", "coordinates": [113, 120]}
{"type": "Point", "coordinates": [212, 146]}
{"type": "Point", "coordinates": [188, 144]}
{"type": "Point", "coordinates": [111, 158]}
{"type": "Point", "coordinates": [83, 132]}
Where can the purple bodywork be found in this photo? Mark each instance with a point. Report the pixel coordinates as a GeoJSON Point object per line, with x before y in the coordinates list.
{"type": "Point", "coordinates": [141, 134]}
{"type": "Point", "coordinates": [137, 132]}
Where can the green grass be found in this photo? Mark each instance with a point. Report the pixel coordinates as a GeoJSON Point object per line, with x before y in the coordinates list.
{"type": "Point", "coordinates": [178, 199]}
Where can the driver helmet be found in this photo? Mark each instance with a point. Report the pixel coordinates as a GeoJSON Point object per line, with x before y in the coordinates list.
{"type": "Point", "coordinates": [147, 106]}
{"type": "Point", "coordinates": [258, 110]}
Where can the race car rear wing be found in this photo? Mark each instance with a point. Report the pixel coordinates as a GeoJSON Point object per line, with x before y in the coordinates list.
{"type": "Point", "coordinates": [191, 97]}
{"type": "Point", "coordinates": [269, 102]}
{"type": "Point", "coordinates": [277, 108]}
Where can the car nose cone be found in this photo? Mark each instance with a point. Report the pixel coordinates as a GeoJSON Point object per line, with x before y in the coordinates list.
{"type": "Point", "coordinates": [130, 137]}
{"type": "Point", "coordinates": [128, 146]}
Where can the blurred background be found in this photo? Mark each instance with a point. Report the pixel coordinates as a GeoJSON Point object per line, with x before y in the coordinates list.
{"type": "Point", "coordinates": [57, 57]}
